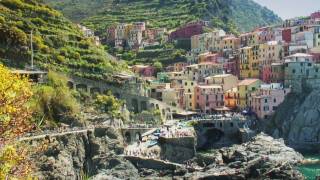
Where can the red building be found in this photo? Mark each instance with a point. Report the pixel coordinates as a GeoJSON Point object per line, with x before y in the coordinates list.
{"type": "Point", "coordinates": [315, 15]}
{"type": "Point", "coordinates": [286, 35]}
{"type": "Point", "coordinates": [187, 31]}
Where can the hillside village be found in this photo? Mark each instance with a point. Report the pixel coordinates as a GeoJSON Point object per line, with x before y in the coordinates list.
{"type": "Point", "coordinates": [251, 72]}
{"type": "Point", "coordinates": [144, 101]}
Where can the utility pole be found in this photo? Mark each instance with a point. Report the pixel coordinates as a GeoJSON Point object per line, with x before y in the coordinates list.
{"type": "Point", "coordinates": [31, 45]}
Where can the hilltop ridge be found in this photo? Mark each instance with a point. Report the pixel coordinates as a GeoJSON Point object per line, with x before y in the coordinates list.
{"type": "Point", "coordinates": [242, 15]}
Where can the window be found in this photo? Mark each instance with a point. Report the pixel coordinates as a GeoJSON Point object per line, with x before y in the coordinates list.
{"type": "Point", "coordinates": [293, 71]}
{"type": "Point", "coordinates": [274, 100]}
{"type": "Point", "coordinates": [185, 83]}
{"type": "Point", "coordinates": [265, 100]}
{"type": "Point", "coordinates": [231, 124]}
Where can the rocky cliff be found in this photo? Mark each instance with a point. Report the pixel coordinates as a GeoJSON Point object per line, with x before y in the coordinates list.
{"type": "Point", "coordinates": [261, 158]}
{"type": "Point", "coordinates": [297, 120]}
{"type": "Point", "coordinates": [98, 154]}
{"type": "Point", "coordinates": [87, 153]}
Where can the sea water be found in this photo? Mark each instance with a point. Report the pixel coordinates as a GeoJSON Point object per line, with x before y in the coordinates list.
{"type": "Point", "coordinates": [311, 170]}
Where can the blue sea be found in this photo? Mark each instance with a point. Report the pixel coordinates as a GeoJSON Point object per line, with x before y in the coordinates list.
{"type": "Point", "coordinates": [311, 170]}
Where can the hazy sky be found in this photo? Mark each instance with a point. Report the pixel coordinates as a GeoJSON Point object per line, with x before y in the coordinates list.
{"type": "Point", "coordinates": [291, 8]}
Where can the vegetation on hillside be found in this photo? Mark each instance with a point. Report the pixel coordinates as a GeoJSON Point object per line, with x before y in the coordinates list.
{"type": "Point", "coordinates": [55, 103]}
{"type": "Point", "coordinates": [58, 44]}
{"type": "Point", "coordinates": [99, 14]}
{"type": "Point", "coordinates": [15, 120]}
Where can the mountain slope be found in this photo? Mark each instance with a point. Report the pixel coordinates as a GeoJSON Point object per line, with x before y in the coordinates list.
{"type": "Point", "coordinates": [58, 43]}
{"type": "Point", "coordinates": [99, 14]}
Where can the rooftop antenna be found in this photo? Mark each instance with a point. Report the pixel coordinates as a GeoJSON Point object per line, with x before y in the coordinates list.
{"type": "Point", "coordinates": [31, 45]}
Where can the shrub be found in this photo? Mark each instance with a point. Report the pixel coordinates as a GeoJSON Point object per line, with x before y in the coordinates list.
{"type": "Point", "coordinates": [55, 101]}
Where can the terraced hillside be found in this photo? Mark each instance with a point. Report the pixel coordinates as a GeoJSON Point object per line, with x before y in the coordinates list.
{"type": "Point", "coordinates": [99, 14]}
{"type": "Point", "coordinates": [58, 43]}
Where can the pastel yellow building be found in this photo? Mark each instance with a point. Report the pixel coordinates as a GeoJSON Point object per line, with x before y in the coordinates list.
{"type": "Point", "coordinates": [226, 81]}
{"type": "Point", "coordinates": [230, 42]}
{"type": "Point", "coordinates": [249, 62]}
{"type": "Point", "coordinates": [189, 98]}
{"type": "Point", "coordinates": [245, 88]}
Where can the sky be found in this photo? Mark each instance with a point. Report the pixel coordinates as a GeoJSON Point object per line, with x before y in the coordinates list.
{"type": "Point", "coordinates": [291, 8]}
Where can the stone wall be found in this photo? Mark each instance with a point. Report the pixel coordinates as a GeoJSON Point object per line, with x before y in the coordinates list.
{"type": "Point", "coordinates": [178, 150]}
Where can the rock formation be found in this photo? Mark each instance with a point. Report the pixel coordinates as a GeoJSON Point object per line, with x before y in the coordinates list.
{"type": "Point", "coordinates": [297, 120]}
{"type": "Point", "coordinates": [98, 154]}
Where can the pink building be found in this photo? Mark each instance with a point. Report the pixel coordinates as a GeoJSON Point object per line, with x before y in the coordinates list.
{"type": "Point", "coordinates": [265, 101]}
{"type": "Point", "coordinates": [315, 15]}
{"type": "Point", "coordinates": [143, 70]}
{"type": "Point", "coordinates": [209, 97]}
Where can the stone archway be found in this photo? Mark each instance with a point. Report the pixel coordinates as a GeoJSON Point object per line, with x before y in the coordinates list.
{"type": "Point", "coordinates": [138, 136]}
{"type": "Point", "coordinates": [127, 137]}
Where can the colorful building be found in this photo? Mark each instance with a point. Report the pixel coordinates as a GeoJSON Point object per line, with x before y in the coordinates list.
{"type": "Point", "coordinates": [269, 53]}
{"type": "Point", "coordinates": [277, 73]}
{"type": "Point", "coordinates": [245, 88]}
{"type": "Point", "coordinates": [299, 68]}
{"type": "Point", "coordinates": [231, 98]}
{"type": "Point", "coordinates": [226, 81]}
{"type": "Point", "coordinates": [230, 43]}
{"type": "Point", "coordinates": [207, 41]}
{"type": "Point", "coordinates": [208, 57]}
{"type": "Point", "coordinates": [189, 98]}
{"type": "Point", "coordinates": [187, 31]}
{"type": "Point", "coordinates": [209, 97]}
{"type": "Point", "coordinates": [180, 66]}
{"type": "Point", "coordinates": [143, 70]}
{"type": "Point", "coordinates": [249, 62]}
{"type": "Point", "coordinates": [267, 98]}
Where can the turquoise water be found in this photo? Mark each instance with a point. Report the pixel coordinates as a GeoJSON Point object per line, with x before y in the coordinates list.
{"type": "Point", "coordinates": [310, 171]}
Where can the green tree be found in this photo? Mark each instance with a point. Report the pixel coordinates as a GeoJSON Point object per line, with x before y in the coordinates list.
{"type": "Point", "coordinates": [107, 103]}
{"type": "Point", "coordinates": [158, 66]}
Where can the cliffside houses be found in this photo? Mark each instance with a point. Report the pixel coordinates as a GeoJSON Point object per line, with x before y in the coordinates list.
{"type": "Point", "coordinates": [252, 72]}
{"type": "Point", "coordinates": [134, 35]}
{"type": "Point", "coordinates": [90, 34]}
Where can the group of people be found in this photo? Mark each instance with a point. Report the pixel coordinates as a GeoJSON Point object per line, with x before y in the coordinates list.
{"type": "Point", "coordinates": [175, 133]}
{"type": "Point", "coordinates": [141, 152]}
